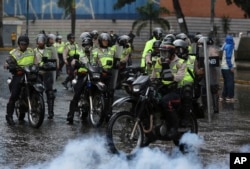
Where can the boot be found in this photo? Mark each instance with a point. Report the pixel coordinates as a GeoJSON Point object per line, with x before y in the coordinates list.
{"type": "Point", "coordinates": [72, 108]}
{"type": "Point", "coordinates": [50, 108]}
{"type": "Point", "coordinates": [9, 116]}
{"type": "Point", "coordinates": [65, 84]}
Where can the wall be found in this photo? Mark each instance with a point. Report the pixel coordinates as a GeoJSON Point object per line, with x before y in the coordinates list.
{"type": "Point", "coordinates": [201, 8]}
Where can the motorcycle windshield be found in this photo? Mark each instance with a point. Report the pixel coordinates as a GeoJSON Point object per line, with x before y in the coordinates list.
{"type": "Point", "coordinates": [94, 68]}
{"type": "Point", "coordinates": [141, 79]}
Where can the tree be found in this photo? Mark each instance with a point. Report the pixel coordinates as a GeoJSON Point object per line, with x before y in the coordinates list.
{"type": "Point", "coordinates": [149, 13]}
{"type": "Point", "coordinates": [69, 7]}
{"type": "Point", "coordinates": [243, 4]}
{"type": "Point", "coordinates": [1, 24]}
{"type": "Point", "coordinates": [178, 12]}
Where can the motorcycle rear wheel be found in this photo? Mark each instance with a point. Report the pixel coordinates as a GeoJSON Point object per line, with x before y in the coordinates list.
{"type": "Point", "coordinates": [36, 115]}
{"type": "Point", "coordinates": [97, 116]}
{"type": "Point", "coordinates": [118, 133]}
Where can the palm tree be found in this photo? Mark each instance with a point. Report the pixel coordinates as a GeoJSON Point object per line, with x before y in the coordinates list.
{"type": "Point", "coordinates": [1, 24]}
{"type": "Point", "coordinates": [150, 14]}
{"type": "Point", "coordinates": [69, 7]}
{"type": "Point", "coordinates": [178, 11]}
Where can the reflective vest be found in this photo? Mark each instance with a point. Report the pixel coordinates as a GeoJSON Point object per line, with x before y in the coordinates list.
{"type": "Point", "coordinates": [47, 52]}
{"type": "Point", "coordinates": [83, 59]}
{"type": "Point", "coordinates": [23, 58]}
{"type": "Point", "coordinates": [59, 47]}
{"type": "Point", "coordinates": [157, 67]}
{"type": "Point", "coordinates": [73, 49]}
{"type": "Point", "coordinates": [188, 79]}
{"type": "Point", "coordinates": [125, 52]}
{"type": "Point", "coordinates": [174, 69]}
{"type": "Point", "coordinates": [148, 46]}
{"type": "Point", "coordinates": [104, 55]}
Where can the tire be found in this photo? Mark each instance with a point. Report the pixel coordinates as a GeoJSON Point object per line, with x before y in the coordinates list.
{"type": "Point", "coordinates": [191, 127]}
{"type": "Point", "coordinates": [118, 132]}
{"type": "Point", "coordinates": [97, 116]}
{"type": "Point", "coordinates": [36, 116]}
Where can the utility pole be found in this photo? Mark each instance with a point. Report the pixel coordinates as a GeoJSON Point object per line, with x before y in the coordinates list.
{"type": "Point", "coordinates": [180, 17]}
{"type": "Point", "coordinates": [27, 17]}
{"type": "Point", "coordinates": [212, 18]}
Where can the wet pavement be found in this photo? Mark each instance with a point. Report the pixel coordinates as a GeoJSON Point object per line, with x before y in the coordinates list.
{"type": "Point", "coordinates": [58, 145]}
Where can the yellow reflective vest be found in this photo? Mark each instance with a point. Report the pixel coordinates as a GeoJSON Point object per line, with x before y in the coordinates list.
{"type": "Point", "coordinates": [103, 56]}
{"type": "Point", "coordinates": [23, 58]}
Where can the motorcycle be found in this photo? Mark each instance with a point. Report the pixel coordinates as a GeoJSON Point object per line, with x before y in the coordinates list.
{"type": "Point", "coordinates": [30, 100]}
{"type": "Point", "coordinates": [145, 122]}
{"type": "Point", "coordinates": [92, 103]}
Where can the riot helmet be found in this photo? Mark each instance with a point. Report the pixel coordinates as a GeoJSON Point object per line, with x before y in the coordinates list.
{"type": "Point", "coordinates": [123, 41]}
{"type": "Point", "coordinates": [41, 39]}
{"type": "Point", "coordinates": [169, 39]}
{"type": "Point", "coordinates": [94, 34]}
{"type": "Point", "coordinates": [167, 50]}
{"type": "Point", "coordinates": [158, 33]}
{"type": "Point", "coordinates": [70, 36]}
{"type": "Point", "coordinates": [85, 35]}
{"type": "Point", "coordinates": [23, 39]}
{"type": "Point", "coordinates": [181, 48]}
{"type": "Point", "coordinates": [104, 37]}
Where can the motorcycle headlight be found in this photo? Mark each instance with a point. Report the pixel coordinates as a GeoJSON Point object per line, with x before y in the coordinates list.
{"type": "Point", "coordinates": [96, 75]}
{"type": "Point", "coordinates": [136, 88]}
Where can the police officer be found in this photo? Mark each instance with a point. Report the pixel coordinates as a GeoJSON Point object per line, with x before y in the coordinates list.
{"type": "Point", "coordinates": [21, 56]}
{"type": "Point", "coordinates": [153, 57]}
{"type": "Point", "coordinates": [42, 53]}
{"type": "Point", "coordinates": [59, 45]}
{"type": "Point", "coordinates": [71, 51]}
{"type": "Point", "coordinates": [104, 55]}
{"type": "Point", "coordinates": [157, 35]}
{"type": "Point", "coordinates": [80, 68]}
{"type": "Point", "coordinates": [123, 41]}
{"type": "Point", "coordinates": [170, 61]}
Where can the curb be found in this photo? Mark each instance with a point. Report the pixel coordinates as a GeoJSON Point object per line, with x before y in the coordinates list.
{"type": "Point", "coordinates": [6, 49]}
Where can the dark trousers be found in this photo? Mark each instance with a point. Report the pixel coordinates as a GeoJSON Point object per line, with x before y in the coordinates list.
{"type": "Point", "coordinates": [228, 79]}
{"type": "Point", "coordinates": [15, 89]}
{"type": "Point", "coordinates": [169, 101]}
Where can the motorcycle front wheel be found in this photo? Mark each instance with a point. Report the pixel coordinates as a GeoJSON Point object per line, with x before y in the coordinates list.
{"type": "Point", "coordinates": [119, 132]}
{"type": "Point", "coordinates": [97, 115]}
{"type": "Point", "coordinates": [36, 115]}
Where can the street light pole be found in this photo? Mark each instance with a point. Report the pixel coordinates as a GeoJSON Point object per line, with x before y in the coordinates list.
{"type": "Point", "coordinates": [212, 17]}
{"type": "Point", "coordinates": [27, 17]}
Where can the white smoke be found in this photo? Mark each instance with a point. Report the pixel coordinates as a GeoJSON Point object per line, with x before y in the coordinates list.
{"type": "Point", "coordinates": [91, 152]}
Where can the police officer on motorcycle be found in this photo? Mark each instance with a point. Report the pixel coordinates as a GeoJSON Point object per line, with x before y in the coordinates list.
{"type": "Point", "coordinates": [43, 53]}
{"type": "Point", "coordinates": [104, 56]}
{"type": "Point", "coordinates": [172, 73]}
{"type": "Point", "coordinates": [21, 56]}
{"type": "Point", "coordinates": [79, 66]}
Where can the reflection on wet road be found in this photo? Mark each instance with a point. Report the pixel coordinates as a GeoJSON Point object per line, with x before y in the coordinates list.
{"type": "Point", "coordinates": [58, 145]}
